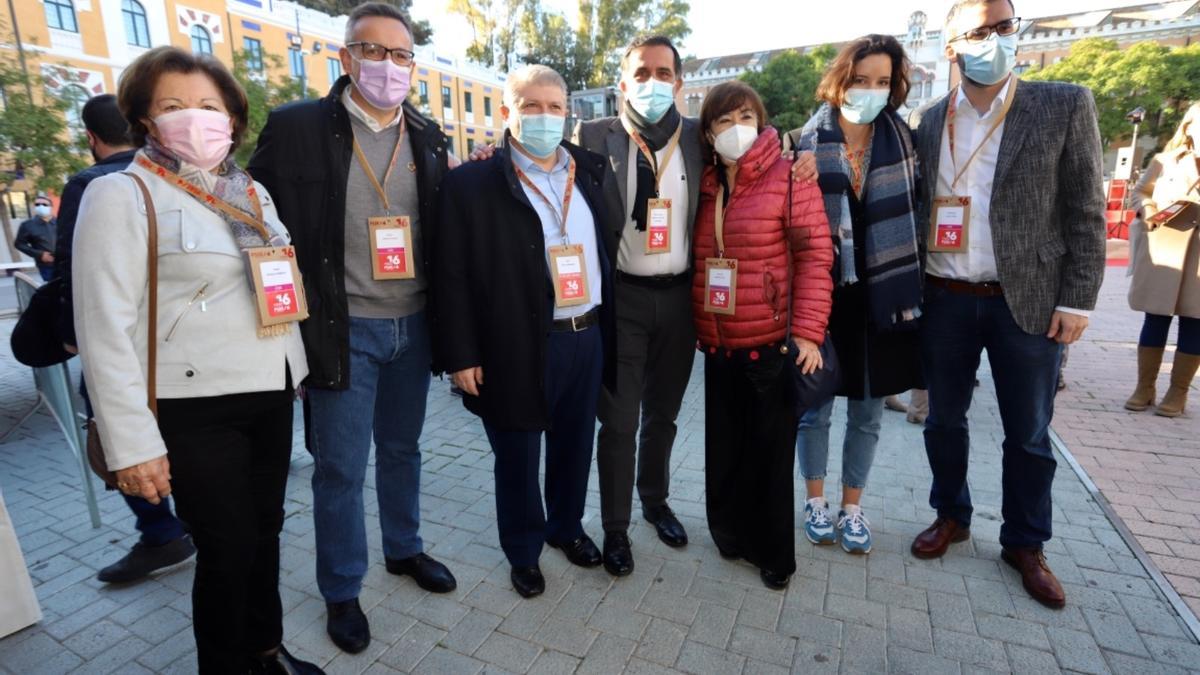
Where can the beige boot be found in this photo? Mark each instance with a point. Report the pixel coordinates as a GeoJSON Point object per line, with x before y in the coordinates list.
{"type": "Point", "coordinates": [1149, 363]}
{"type": "Point", "coordinates": [1182, 373]}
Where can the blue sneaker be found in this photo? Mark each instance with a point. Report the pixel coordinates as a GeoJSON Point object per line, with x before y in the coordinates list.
{"type": "Point", "coordinates": [855, 530]}
{"type": "Point", "coordinates": [817, 525]}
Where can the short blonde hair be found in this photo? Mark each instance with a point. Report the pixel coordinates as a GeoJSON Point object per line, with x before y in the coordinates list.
{"type": "Point", "coordinates": [1182, 140]}
{"type": "Point", "coordinates": [527, 75]}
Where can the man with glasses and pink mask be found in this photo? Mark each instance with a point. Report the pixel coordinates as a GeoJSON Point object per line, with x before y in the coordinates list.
{"type": "Point", "coordinates": [355, 176]}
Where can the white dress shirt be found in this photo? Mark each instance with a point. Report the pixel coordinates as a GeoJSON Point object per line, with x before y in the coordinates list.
{"type": "Point", "coordinates": [631, 252]}
{"type": "Point", "coordinates": [356, 110]}
{"type": "Point", "coordinates": [581, 226]}
{"type": "Point", "coordinates": [978, 263]}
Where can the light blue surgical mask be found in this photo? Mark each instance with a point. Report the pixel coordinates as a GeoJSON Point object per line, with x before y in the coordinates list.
{"type": "Point", "coordinates": [541, 134]}
{"type": "Point", "coordinates": [862, 106]}
{"type": "Point", "coordinates": [652, 99]}
{"type": "Point", "coordinates": [990, 61]}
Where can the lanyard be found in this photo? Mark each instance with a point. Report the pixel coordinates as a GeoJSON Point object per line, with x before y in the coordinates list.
{"type": "Point", "coordinates": [950, 114]}
{"type": "Point", "coordinates": [566, 203]}
{"type": "Point", "coordinates": [380, 188]}
{"type": "Point", "coordinates": [205, 197]}
{"type": "Point", "coordinates": [650, 156]}
{"type": "Point", "coordinates": [720, 220]}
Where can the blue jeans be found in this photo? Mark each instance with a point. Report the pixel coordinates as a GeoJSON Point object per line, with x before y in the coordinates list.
{"type": "Point", "coordinates": [858, 448]}
{"type": "Point", "coordinates": [1156, 327]}
{"type": "Point", "coordinates": [389, 382]}
{"type": "Point", "coordinates": [955, 329]}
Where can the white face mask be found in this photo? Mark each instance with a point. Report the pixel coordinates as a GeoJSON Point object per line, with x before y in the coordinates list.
{"type": "Point", "coordinates": [732, 143]}
{"type": "Point", "coordinates": [41, 210]}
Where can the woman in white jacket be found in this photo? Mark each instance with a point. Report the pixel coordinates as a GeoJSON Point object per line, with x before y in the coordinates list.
{"type": "Point", "coordinates": [226, 364]}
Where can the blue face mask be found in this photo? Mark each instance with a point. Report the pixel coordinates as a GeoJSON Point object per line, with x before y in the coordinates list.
{"type": "Point", "coordinates": [862, 106]}
{"type": "Point", "coordinates": [990, 61]}
{"type": "Point", "coordinates": [652, 99]}
{"type": "Point", "coordinates": [541, 134]}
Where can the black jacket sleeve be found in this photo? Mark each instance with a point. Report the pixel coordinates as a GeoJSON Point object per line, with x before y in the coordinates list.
{"type": "Point", "coordinates": [262, 163]}
{"type": "Point", "coordinates": [457, 340]}
{"type": "Point", "coordinates": [26, 243]}
{"type": "Point", "coordinates": [68, 213]}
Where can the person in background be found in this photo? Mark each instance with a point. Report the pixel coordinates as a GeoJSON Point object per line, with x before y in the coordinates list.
{"type": "Point", "coordinates": [163, 542]}
{"type": "Point", "coordinates": [1165, 265]}
{"type": "Point", "coordinates": [761, 298]}
{"type": "Point", "coordinates": [867, 173]}
{"type": "Point", "coordinates": [36, 237]}
{"type": "Point", "coordinates": [523, 267]}
{"type": "Point", "coordinates": [651, 197]}
{"type": "Point", "coordinates": [226, 369]}
{"type": "Point", "coordinates": [1013, 221]}
{"type": "Point", "coordinates": [355, 176]}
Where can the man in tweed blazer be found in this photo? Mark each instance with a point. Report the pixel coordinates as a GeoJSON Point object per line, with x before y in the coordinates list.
{"type": "Point", "coordinates": [1028, 157]}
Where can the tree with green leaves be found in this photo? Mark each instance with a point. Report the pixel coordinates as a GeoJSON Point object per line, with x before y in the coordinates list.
{"type": "Point", "coordinates": [788, 85]}
{"type": "Point", "coordinates": [263, 95]}
{"type": "Point", "coordinates": [1163, 80]}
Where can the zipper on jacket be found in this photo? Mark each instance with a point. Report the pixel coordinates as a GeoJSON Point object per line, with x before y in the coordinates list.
{"type": "Point", "coordinates": [203, 308]}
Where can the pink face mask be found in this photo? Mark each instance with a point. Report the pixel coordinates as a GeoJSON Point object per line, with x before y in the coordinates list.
{"type": "Point", "coordinates": [383, 83]}
{"type": "Point", "coordinates": [200, 137]}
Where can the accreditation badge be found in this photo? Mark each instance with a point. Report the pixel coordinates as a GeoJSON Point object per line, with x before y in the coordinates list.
{"type": "Point", "coordinates": [569, 273]}
{"type": "Point", "coordinates": [391, 248]}
{"type": "Point", "coordinates": [278, 289]}
{"type": "Point", "coordinates": [948, 226]}
{"type": "Point", "coordinates": [720, 285]}
{"type": "Point", "coordinates": [658, 226]}
{"type": "Point", "coordinates": [1168, 215]}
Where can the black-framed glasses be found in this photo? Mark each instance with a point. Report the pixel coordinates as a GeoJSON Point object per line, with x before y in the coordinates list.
{"type": "Point", "coordinates": [373, 52]}
{"type": "Point", "coordinates": [982, 33]}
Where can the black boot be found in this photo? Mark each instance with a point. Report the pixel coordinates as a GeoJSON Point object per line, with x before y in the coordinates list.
{"type": "Point", "coordinates": [142, 560]}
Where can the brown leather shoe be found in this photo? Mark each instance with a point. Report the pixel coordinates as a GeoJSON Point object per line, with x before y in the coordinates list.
{"type": "Point", "coordinates": [1036, 576]}
{"type": "Point", "coordinates": [933, 542]}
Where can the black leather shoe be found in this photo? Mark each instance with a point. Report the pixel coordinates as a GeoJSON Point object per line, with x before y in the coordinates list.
{"type": "Point", "coordinates": [143, 560]}
{"type": "Point", "coordinates": [670, 530]}
{"type": "Point", "coordinates": [347, 626]}
{"type": "Point", "coordinates": [774, 581]}
{"type": "Point", "coordinates": [618, 558]}
{"type": "Point", "coordinates": [582, 551]}
{"type": "Point", "coordinates": [283, 663]}
{"type": "Point", "coordinates": [429, 574]}
{"type": "Point", "coordinates": [528, 581]}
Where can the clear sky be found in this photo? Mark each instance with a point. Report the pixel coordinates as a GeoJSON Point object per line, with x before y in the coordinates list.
{"type": "Point", "coordinates": [731, 26]}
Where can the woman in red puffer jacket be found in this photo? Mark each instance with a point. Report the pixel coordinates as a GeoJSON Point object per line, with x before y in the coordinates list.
{"type": "Point", "coordinates": [761, 277]}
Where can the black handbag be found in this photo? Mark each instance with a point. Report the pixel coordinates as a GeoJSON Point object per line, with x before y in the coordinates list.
{"type": "Point", "coordinates": [823, 383]}
{"type": "Point", "coordinates": [35, 340]}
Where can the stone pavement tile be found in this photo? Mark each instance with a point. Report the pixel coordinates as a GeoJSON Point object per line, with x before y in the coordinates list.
{"type": "Point", "coordinates": [898, 595]}
{"type": "Point", "coordinates": [992, 596]}
{"type": "Point", "coordinates": [636, 667]}
{"type": "Point", "coordinates": [713, 625]}
{"type": "Point", "coordinates": [94, 639]}
{"type": "Point", "coordinates": [169, 650]}
{"type": "Point", "coordinates": [1115, 632]}
{"type": "Point", "coordinates": [848, 580]}
{"type": "Point", "coordinates": [1176, 652]}
{"type": "Point", "coordinates": [440, 611]}
{"type": "Point", "coordinates": [805, 595]}
{"type": "Point", "coordinates": [117, 657]}
{"type": "Point", "coordinates": [762, 645]}
{"type": "Point", "coordinates": [854, 611]}
{"type": "Point", "coordinates": [1070, 616]}
{"type": "Point", "coordinates": [1012, 631]}
{"type": "Point", "coordinates": [578, 602]}
{"type": "Point", "coordinates": [159, 625]}
{"type": "Point", "coordinates": [814, 658]}
{"type": "Point", "coordinates": [716, 592]}
{"type": "Point", "coordinates": [75, 620]}
{"type": "Point", "coordinates": [38, 652]}
{"type": "Point", "coordinates": [811, 627]}
{"type": "Point", "coordinates": [469, 633]}
{"type": "Point", "coordinates": [1077, 650]}
{"type": "Point", "coordinates": [1149, 615]}
{"type": "Point", "coordinates": [412, 646]}
{"type": "Point", "coordinates": [865, 649]}
{"type": "Point", "coordinates": [529, 615]}
{"type": "Point", "coordinates": [566, 635]}
{"type": "Point", "coordinates": [761, 608]}
{"type": "Point", "coordinates": [492, 598]}
{"type": "Point", "coordinates": [1131, 665]}
{"type": "Point", "coordinates": [608, 654]}
{"type": "Point", "coordinates": [508, 652]}
{"type": "Point", "coordinates": [442, 661]}
{"type": "Point", "coordinates": [903, 661]}
{"type": "Point", "coordinates": [909, 628]}
{"type": "Point", "coordinates": [1033, 661]}
{"type": "Point", "coordinates": [661, 642]}
{"type": "Point", "coordinates": [702, 659]}
{"type": "Point", "coordinates": [969, 649]}
{"type": "Point", "coordinates": [951, 611]}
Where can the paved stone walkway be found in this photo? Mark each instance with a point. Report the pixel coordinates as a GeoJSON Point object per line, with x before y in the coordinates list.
{"type": "Point", "coordinates": [1147, 467]}
{"type": "Point", "coordinates": [681, 611]}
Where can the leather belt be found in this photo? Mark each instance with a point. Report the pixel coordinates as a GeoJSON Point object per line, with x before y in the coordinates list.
{"type": "Point", "coordinates": [577, 323]}
{"type": "Point", "coordinates": [984, 289]}
{"type": "Point", "coordinates": [657, 281]}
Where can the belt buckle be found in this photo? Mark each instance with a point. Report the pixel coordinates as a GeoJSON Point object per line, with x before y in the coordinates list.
{"type": "Point", "coordinates": [574, 327]}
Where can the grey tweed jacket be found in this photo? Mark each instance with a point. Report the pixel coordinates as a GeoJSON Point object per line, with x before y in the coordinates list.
{"type": "Point", "coordinates": [1047, 210]}
{"type": "Point", "coordinates": [607, 137]}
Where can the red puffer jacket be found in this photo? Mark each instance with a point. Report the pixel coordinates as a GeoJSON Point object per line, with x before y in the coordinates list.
{"type": "Point", "coordinates": [755, 236]}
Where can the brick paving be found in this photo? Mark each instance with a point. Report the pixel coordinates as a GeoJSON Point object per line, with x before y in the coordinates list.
{"type": "Point", "coordinates": [680, 611]}
{"type": "Point", "coordinates": [1147, 467]}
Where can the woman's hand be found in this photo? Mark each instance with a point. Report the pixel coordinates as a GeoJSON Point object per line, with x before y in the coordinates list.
{"type": "Point", "coordinates": [468, 379]}
{"type": "Point", "coordinates": [809, 357]}
{"type": "Point", "coordinates": [149, 480]}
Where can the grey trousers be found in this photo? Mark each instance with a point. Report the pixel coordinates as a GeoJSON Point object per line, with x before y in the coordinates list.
{"type": "Point", "coordinates": [656, 346]}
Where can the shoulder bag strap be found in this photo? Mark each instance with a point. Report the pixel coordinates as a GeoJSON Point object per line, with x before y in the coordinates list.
{"type": "Point", "coordinates": [152, 276]}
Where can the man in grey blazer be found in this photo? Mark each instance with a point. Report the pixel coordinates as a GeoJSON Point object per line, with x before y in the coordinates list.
{"type": "Point", "coordinates": [1013, 225]}
{"type": "Point", "coordinates": [652, 194]}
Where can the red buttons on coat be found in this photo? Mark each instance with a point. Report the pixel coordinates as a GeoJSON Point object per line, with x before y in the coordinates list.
{"type": "Point", "coordinates": [754, 355]}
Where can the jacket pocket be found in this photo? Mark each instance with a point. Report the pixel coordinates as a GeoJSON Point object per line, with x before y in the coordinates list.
{"type": "Point", "coordinates": [1052, 250]}
{"type": "Point", "coordinates": [771, 295]}
{"type": "Point", "coordinates": [206, 235]}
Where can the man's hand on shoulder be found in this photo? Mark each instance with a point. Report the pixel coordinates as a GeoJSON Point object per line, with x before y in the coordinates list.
{"type": "Point", "coordinates": [482, 152]}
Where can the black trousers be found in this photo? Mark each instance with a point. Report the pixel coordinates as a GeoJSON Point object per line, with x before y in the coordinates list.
{"type": "Point", "coordinates": [749, 454]}
{"type": "Point", "coordinates": [229, 460]}
{"type": "Point", "coordinates": [655, 351]}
